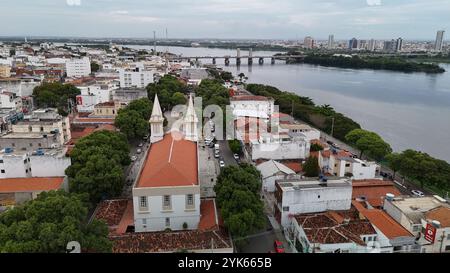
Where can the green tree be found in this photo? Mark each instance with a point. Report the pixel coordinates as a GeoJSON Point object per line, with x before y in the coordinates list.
{"type": "Point", "coordinates": [237, 191]}
{"type": "Point", "coordinates": [49, 222]}
{"type": "Point", "coordinates": [55, 95]}
{"type": "Point", "coordinates": [316, 147]}
{"type": "Point", "coordinates": [166, 87]}
{"type": "Point", "coordinates": [311, 167]}
{"type": "Point", "coordinates": [142, 106]}
{"type": "Point", "coordinates": [131, 123]}
{"type": "Point", "coordinates": [178, 99]}
{"type": "Point", "coordinates": [369, 142]}
{"type": "Point", "coordinates": [98, 161]}
{"type": "Point", "coordinates": [235, 146]}
{"type": "Point", "coordinates": [394, 161]}
{"type": "Point", "coordinates": [95, 67]}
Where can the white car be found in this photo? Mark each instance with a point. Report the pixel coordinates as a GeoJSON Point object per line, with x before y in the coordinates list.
{"type": "Point", "coordinates": [236, 156]}
{"type": "Point", "coordinates": [222, 164]}
{"type": "Point", "coordinates": [216, 155]}
{"type": "Point", "coordinates": [133, 158]}
{"type": "Point", "coordinates": [139, 151]}
{"type": "Point", "coordinates": [417, 193]}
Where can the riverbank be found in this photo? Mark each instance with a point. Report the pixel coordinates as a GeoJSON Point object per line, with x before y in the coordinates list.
{"type": "Point", "coordinates": [375, 63]}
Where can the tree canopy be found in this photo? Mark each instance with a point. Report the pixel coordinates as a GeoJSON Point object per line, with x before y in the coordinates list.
{"type": "Point", "coordinates": [133, 119]}
{"type": "Point", "coordinates": [166, 88]}
{"type": "Point", "coordinates": [97, 165]}
{"type": "Point", "coordinates": [311, 167]}
{"type": "Point", "coordinates": [237, 191]}
{"type": "Point", "coordinates": [49, 222]}
{"type": "Point", "coordinates": [235, 146]}
{"type": "Point", "coordinates": [369, 142]}
{"type": "Point", "coordinates": [55, 95]}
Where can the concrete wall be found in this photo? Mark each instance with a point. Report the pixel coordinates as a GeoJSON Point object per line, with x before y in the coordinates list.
{"type": "Point", "coordinates": [279, 151]}
{"type": "Point", "coordinates": [315, 200]}
{"type": "Point", "coordinates": [156, 217]}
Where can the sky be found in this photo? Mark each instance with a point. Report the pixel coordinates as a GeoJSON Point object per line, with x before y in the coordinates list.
{"type": "Point", "coordinates": [243, 19]}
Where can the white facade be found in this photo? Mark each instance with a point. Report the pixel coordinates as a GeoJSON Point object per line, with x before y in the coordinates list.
{"type": "Point", "coordinates": [308, 196]}
{"type": "Point", "coordinates": [93, 95]}
{"type": "Point", "coordinates": [358, 168]}
{"type": "Point", "coordinates": [272, 171]}
{"type": "Point", "coordinates": [250, 107]}
{"type": "Point", "coordinates": [135, 78]}
{"type": "Point", "coordinates": [19, 165]}
{"type": "Point", "coordinates": [78, 67]}
{"type": "Point", "coordinates": [11, 101]}
{"type": "Point", "coordinates": [158, 217]}
{"type": "Point", "coordinates": [279, 147]}
{"type": "Point", "coordinates": [302, 130]}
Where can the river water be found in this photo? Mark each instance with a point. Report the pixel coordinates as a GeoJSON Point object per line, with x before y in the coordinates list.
{"type": "Point", "coordinates": [407, 110]}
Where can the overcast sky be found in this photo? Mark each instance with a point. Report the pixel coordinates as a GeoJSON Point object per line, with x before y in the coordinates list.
{"type": "Point", "coordinates": [256, 19]}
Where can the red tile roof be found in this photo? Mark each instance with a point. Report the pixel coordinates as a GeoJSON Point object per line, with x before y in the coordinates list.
{"type": "Point", "coordinates": [331, 227]}
{"type": "Point", "coordinates": [33, 184]}
{"type": "Point", "coordinates": [381, 220]}
{"type": "Point", "coordinates": [373, 190]}
{"type": "Point", "coordinates": [170, 163]}
{"type": "Point", "coordinates": [441, 214]}
{"type": "Point", "coordinates": [152, 242]}
{"type": "Point", "coordinates": [208, 219]}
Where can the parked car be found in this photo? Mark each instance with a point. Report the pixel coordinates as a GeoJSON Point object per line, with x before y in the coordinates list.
{"type": "Point", "coordinates": [139, 151]}
{"type": "Point", "coordinates": [279, 248]}
{"type": "Point", "coordinates": [145, 137]}
{"type": "Point", "coordinates": [236, 156]}
{"type": "Point", "coordinates": [141, 144]}
{"type": "Point", "coordinates": [222, 164]}
{"type": "Point", "coordinates": [417, 193]}
{"type": "Point", "coordinates": [133, 158]}
{"type": "Point", "coordinates": [217, 155]}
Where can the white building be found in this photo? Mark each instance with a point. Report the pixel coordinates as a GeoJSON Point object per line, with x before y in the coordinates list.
{"type": "Point", "coordinates": [272, 171]}
{"type": "Point", "coordinates": [427, 218]}
{"type": "Point", "coordinates": [136, 78]}
{"type": "Point", "coordinates": [252, 106]}
{"type": "Point", "coordinates": [167, 192]}
{"type": "Point", "coordinates": [302, 130]}
{"type": "Point", "coordinates": [310, 196]}
{"type": "Point", "coordinates": [342, 163]}
{"type": "Point", "coordinates": [78, 67]}
{"type": "Point", "coordinates": [92, 95]}
{"type": "Point", "coordinates": [439, 41]}
{"type": "Point", "coordinates": [10, 100]}
{"type": "Point", "coordinates": [279, 146]}
{"type": "Point", "coordinates": [40, 163]}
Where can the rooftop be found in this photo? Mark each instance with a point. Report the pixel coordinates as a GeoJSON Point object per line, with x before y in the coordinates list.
{"type": "Point", "coordinates": [295, 184]}
{"type": "Point", "coordinates": [374, 190]}
{"type": "Point", "coordinates": [416, 208]}
{"type": "Point", "coordinates": [170, 163]}
{"type": "Point", "coordinates": [381, 220]}
{"type": "Point", "coordinates": [441, 214]}
{"type": "Point", "coordinates": [250, 98]}
{"type": "Point", "coordinates": [335, 227]}
{"type": "Point", "coordinates": [34, 184]}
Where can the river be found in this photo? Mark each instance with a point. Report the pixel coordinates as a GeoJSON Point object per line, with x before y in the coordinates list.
{"type": "Point", "coordinates": [407, 110]}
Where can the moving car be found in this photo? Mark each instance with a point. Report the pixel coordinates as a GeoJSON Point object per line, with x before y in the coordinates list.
{"type": "Point", "coordinates": [279, 248]}
{"type": "Point", "coordinates": [417, 193]}
{"type": "Point", "coordinates": [222, 164]}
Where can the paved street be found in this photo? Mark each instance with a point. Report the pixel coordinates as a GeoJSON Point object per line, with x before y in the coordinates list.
{"type": "Point", "coordinates": [133, 170]}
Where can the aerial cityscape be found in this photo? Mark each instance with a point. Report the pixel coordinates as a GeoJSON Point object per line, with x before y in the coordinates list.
{"type": "Point", "coordinates": [313, 128]}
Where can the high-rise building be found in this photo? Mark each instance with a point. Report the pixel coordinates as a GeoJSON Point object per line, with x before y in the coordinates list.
{"type": "Point", "coordinates": [331, 41]}
{"type": "Point", "coordinates": [372, 45]}
{"type": "Point", "coordinates": [308, 42]}
{"type": "Point", "coordinates": [439, 40]}
{"type": "Point", "coordinates": [78, 67]}
{"type": "Point", "coordinates": [389, 45]}
{"type": "Point", "coordinates": [353, 44]}
{"type": "Point", "coordinates": [399, 45]}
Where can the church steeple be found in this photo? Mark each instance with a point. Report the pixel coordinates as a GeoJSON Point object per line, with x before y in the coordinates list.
{"type": "Point", "coordinates": [190, 122]}
{"type": "Point", "coordinates": [156, 122]}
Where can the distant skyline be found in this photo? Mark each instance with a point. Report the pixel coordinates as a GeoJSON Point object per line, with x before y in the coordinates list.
{"type": "Point", "coordinates": [227, 19]}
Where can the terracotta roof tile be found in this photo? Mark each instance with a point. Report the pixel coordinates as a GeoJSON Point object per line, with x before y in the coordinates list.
{"type": "Point", "coordinates": [441, 214]}
{"type": "Point", "coordinates": [373, 190]}
{"type": "Point", "coordinates": [208, 219]}
{"type": "Point", "coordinates": [33, 184]}
{"type": "Point", "coordinates": [170, 163]}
